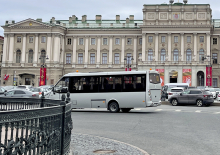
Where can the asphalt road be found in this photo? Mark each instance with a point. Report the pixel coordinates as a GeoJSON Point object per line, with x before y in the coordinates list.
{"type": "Point", "coordinates": [163, 130]}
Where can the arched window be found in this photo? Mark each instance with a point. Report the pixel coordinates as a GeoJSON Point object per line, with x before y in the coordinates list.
{"type": "Point", "coordinates": [176, 55]}
{"type": "Point", "coordinates": [201, 54]}
{"type": "Point", "coordinates": [18, 56]}
{"type": "Point", "coordinates": [188, 55]}
{"type": "Point", "coordinates": [163, 55]}
{"type": "Point", "coordinates": [150, 55]}
{"type": "Point", "coordinates": [30, 56]}
{"type": "Point", "coordinates": [43, 56]}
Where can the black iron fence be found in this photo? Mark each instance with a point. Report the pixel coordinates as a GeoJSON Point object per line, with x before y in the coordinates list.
{"type": "Point", "coordinates": [35, 126]}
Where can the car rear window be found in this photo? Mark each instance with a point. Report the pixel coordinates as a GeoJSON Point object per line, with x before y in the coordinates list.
{"type": "Point", "coordinates": [195, 92]}
{"type": "Point", "coordinates": [22, 87]}
{"type": "Point", "coordinates": [176, 90]}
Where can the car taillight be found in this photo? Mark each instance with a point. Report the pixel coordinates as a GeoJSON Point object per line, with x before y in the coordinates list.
{"type": "Point", "coordinates": [34, 95]}
{"type": "Point", "coordinates": [40, 93]}
{"type": "Point", "coordinates": [205, 95]}
{"type": "Point", "coordinates": [170, 93]}
{"type": "Point", "coordinates": [218, 95]}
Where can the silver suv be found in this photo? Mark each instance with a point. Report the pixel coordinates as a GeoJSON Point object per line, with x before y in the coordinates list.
{"type": "Point", "coordinates": [192, 96]}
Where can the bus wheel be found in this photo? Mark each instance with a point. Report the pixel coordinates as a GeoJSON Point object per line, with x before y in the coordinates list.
{"type": "Point", "coordinates": [125, 109]}
{"type": "Point", "coordinates": [113, 107]}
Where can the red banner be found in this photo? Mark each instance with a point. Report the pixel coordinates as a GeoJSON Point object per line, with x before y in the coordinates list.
{"type": "Point", "coordinates": [187, 76]}
{"type": "Point", "coordinates": [43, 75]}
{"type": "Point", "coordinates": [161, 71]}
{"type": "Point", "coordinates": [208, 76]}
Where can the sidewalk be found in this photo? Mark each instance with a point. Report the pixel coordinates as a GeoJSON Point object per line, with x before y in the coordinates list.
{"type": "Point", "coordinates": [83, 144]}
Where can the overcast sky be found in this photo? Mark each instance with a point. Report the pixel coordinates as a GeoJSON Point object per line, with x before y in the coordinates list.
{"type": "Point", "coordinates": [19, 10]}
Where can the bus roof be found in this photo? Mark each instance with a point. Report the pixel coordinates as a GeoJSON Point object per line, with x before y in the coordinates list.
{"type": "Point", "coordinates": [108, 73]}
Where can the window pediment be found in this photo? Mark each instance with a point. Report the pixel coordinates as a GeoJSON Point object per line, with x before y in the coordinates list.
{"type": "Point", "coordinates": [92, 50]}
{"type": "Point", "coordinates": [80, 50]}
{"type": "Point", "coordinates": [116, 50]}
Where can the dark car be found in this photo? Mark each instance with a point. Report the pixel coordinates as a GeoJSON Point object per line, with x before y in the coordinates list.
{"type": "Point", "coordinates": [192, 96]}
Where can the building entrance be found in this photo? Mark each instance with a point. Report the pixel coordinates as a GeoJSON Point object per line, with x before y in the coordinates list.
{"type": "Point", "coordinates": [173, 76]}
{"type": "Point", "coordinates": [27, 81]}
{"type": "Point", "coordinates": [173, 79]}
{"type": "Point", "coordinates": [200, 78]}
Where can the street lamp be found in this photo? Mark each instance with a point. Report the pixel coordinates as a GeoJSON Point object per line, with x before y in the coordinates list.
{"type": "Point", "coordinates": [128, 58]}
{"type": "Point", "coordinates": [43, 70]}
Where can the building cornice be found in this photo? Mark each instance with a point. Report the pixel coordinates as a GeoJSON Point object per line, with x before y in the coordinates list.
{"type": "Point", "coordinates": [176, 26]}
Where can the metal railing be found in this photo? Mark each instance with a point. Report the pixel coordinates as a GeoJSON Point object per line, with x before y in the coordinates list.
{"type": "Point", "coordinates": [35, 126]}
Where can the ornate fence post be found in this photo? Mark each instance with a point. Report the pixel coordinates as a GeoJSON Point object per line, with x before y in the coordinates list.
{"type": "Point", "coordinates": [68, 97]}
{"type": "Point", "coordinates": [42, 100]}
{"type": "Point", "coordinates": [63, 103]}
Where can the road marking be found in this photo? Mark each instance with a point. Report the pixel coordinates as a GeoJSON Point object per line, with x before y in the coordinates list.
{"type": "Point", "coordinates": [158, 109]}
{"type": "Point", "coordinates": [178, 110]}
{"type": "Point", "coordinates": [198, 111]}
{"type": "Point", "coordinates": [217, 113]}
{"type": "Point", "coordinates": [137, 109]}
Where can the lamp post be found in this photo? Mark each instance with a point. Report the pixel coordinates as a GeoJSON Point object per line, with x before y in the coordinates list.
{"type": "Point", "coordinates": [43, 70]}
{"type": "Point", "coordinates": [128, 59]}
{"type": "Point", "coordinates": [208, 71]}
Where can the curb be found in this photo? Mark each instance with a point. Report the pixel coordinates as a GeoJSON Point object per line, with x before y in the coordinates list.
{"type": "Point", "coordinates": [104, 140]}
{"type": "Point", "coordinates": [168, 103]}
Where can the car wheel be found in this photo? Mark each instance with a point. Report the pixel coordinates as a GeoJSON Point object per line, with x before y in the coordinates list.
{"type": "Point", "coordinates": [113, 107]}
{"type": "Point", "coordinates": [199, 103]}
{"type": "Point", "coordinates": [174, 102]}
{"type": "Point", "coordinates": [125, 109]}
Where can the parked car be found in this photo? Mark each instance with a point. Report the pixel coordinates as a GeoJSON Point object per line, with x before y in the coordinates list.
{"type": "Point", "coordinates": [175, 91]}
{"type": "Point", "coordinates": [212, 91]}
{"type": "Point", "coordinates": [192, 96]}
{"type": "Point", "coordinates": [7, 88]}
{"type": "Point", "coordinates": [217, 91]}
{"type": "Point", "coordinates": [20, 93]}
{"type": "Point", "coordinates": [27, 87]}
{"type": "Point", "coordinates": [201, 87]}
{"type": "Point", "coordinates": [39, 90]}
{"type": "Point", "coordinates": [2, 90]}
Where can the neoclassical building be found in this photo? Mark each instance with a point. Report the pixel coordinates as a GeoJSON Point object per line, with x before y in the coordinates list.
{"type": "Point", "coordinates": [171, 38]}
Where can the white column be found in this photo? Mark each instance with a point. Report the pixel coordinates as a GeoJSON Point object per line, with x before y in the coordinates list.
{"type": "Point", "coordinates": [110, 51]}
{"type": "Point", "coordinates": [180, 74]}
{"type": "Point", "coordinates": [208, 45]}
{"type": "Point", "coordinates": [74, 52]}
{"type": "Point", "coordinates": [195, 45]}
{"type": "Point", "coordinates": [59, 52]}
{"type": "Point", "coordinates": [56, 53]}
{"type": "Point", "coordinates": [98, 51]}
{"type": "Point", "coordinates": [122, 50]}
{"type": "Point", "coordinates": [48, 49]}
{"type": "Point", "coordinates": [23, 50]}
{"type": "Point", "coordinates": [35, 50]}
{"type": "Point", "coordinates": [143, 46]}
{"type": "Point", "coordinates": [11, 49]}
{"type": "Point", "coordinates": [182, 46]}
{"type": "Point", "coordinates": [86, 51]}
{"type": "Point", "coordinates": [135, 51]}
{"type": "Point", "coordinates": [5, 53]}
{"type": "Point", "coordinates": [63, 50]}
{"type": "Point", "coordinates": [156, 46]}
{"type": "Point", "coordinates": [169, 46]}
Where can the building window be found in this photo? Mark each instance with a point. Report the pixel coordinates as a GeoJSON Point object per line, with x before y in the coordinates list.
{"type": "Point", "coordinates": [104, 58]}
{"type": "Point", "coordinates": [81, 41]}
{"type": "Point", "coordinates": [117, 41]}
{"type": "Point", "coordinates": [43, 39]}
{"type": "Point", "coordinates": [43, 56]}
{"type": "Point", "coordinates": [175, 39]}
{"type": "Point", "coordinates": [31, 39]}
{"type": "Point", "coordinates": [18, 39]}
{"type": "Point", "coordinates": [214, 41]}
{"type": "Point", "coordinates": [140, 41]}
{"type": "Point", "coordinates": [129, 41]}
{"type": "Point", "coordinates": [150, 39]}
{"type": "Point", "coordinates": [30, 56]}
{"type": "Point", "coordinates": [68, 58]}
{"type": "Point", "coordinates": [129, 58]}
{"type": "Point", "coordinates": [175, 55]}
{"type": "Point", "coordinates": [214, 57]}
{"type": "Point", "coordinates": [92, 58]}
{"type": "Point", "coordinates": [105, 41]}
{"type": "Point", "coordinates": [201, 39]}
{"type": "Point", "coordinates": [18, 56]}
{"type": "Point", "coordinates": [139, 56]}
{"type": "Point", "coordinates": [116, 58]}
{"type": "Point", "coordinates": [201, 54]}
{"type": "Point", "coordinates": [150, 55]}
{"type": "Point", "coordinates": [188, 39]}
{"type": "Point", "coordinates": [69, 41]}
{"type": "Point", "coordinates": [80, 58]}
{"type": "Point", "coordinates": [163, 39]}
{"type": "Point", "coordinates": [188, 55]}
{"type": "Point", "coordinates": [163, 55]}
{"type": "Point", "coordinates": [215, 82]}
{"type": "Point", "coordinates": [92, 41]}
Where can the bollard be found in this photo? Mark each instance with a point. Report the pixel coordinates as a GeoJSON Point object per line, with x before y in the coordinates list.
{"type": "Point", "coordinates": [63, 103]}
{"type": "Point", "coordinates": [68, 97]}
{"type": "Point", "coordinates": [42, 100]}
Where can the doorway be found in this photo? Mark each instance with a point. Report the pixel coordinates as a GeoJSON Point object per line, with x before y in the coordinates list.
{"type": "Point", "coordinates": [200, 78]}
{"type": "Point", "coordinates": [27, 81]}
{"type": "Point", "coordinates": [173, 76]}
{"type": "Point", "coordinates": [173, 79]}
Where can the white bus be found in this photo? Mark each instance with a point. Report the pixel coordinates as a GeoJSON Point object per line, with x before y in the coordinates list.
{"type": "Point", "coordinates": [112, 90]}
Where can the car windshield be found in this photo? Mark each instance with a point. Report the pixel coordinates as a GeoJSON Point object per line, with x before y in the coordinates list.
{"type": "Point", "coordinates": [212, 90]}
{"type": "Point", "coordinates": [21, 87]}
{"type": "Point", "coordinates": [35, 89]}
{"type": "Point", "coordinates": [217, 89]}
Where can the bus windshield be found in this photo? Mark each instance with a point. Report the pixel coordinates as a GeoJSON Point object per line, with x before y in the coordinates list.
{"type": "Point", "coordinates": [154, 78]}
